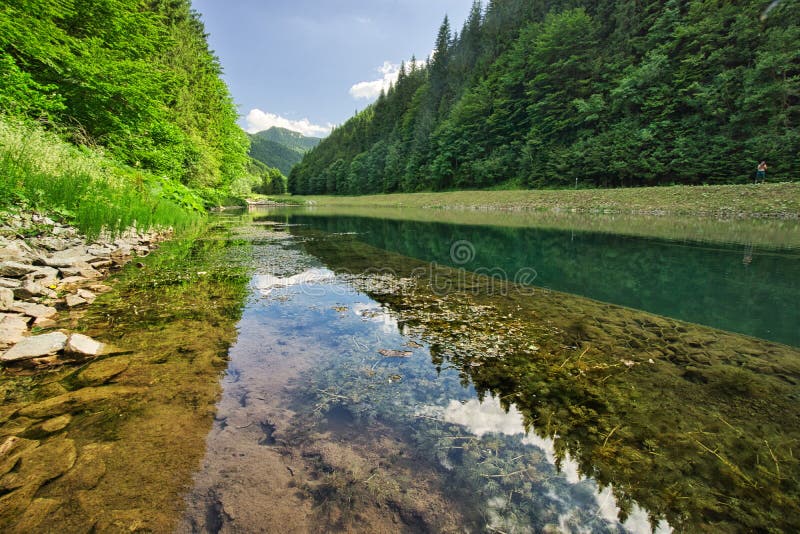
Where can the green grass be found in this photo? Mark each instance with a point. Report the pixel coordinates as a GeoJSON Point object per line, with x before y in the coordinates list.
{"type": "Point", "coordinates": [40, 171]}
{"type": "Point", "coordinates": [780, 200]}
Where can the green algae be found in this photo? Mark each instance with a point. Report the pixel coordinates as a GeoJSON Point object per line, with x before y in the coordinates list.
{"type": "Point", "coordinates": [137, 422]}
{"type": "Point", "coordinates": [696, 425]}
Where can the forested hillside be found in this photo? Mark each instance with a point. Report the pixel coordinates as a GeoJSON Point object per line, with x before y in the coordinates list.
{"type": "Point", "coordinates": [135, 77]}
{"type": "Point", "coordinates": [280, 148]}
{"type": "Point", "coordinates": [619, 93]}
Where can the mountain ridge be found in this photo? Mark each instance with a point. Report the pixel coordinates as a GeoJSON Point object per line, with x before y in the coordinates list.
{"type": "Point", "coordinates": [280, 147]}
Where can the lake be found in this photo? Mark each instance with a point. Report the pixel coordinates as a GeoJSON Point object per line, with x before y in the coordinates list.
{"type": "Point", "coordinates": [427, 371]}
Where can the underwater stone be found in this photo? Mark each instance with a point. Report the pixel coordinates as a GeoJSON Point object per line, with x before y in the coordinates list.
{"type": "Point", "coordinates": [15, 503]}
{"type": "Point", "coordinates": [38, 465]}
{"type": "Point", "coordinates": [90, 467]}
{"type": "Point", "coordinates": [101, 372]}
{"type": "Point", "coordinates": [35, 347]}
{"type": "Point", "coordinates": [55, 424]}
{"type": "Point", "coordinates": [36, 514]}
{"type": "Point", "coordinates": [76, 401]}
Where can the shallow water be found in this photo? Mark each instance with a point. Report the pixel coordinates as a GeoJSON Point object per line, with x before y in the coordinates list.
{"type": "Point", "coordinates": [742, 276]}
{"type": "Point", "coordinates": [283, 378]}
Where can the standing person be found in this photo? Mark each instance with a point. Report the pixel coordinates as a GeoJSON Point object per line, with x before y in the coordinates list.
{"type": "Point", "coordinates": [761, 172]}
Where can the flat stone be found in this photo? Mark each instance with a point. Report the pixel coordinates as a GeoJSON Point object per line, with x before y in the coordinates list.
{"type": "Point", "coordinates": [101, 263]}
{"type": "Point", "coordinates": [12, 330]}
{"type": "Point", "coordinates": [16, 426]}
{"type": "Point", "coordinates": [66, 272]}
{"type": "Point", "coordinates": [90, 273]}
{"type": "Point", "coordinates": [87, 295]}
{"type": "Point", "coordinates": [34, 310]}
{"type": "Point", "coordinates": [72, 281]}
{"type": "Point", "coordinates": [10, 283]}
{"type": "Point", "coordinates": [78, 252]}
{"type": "Point", "coordinates": [10, 449]}
{"type": "Point", "coordinates": [122, 251]}
{"type": "Point", "coordinates": [15, 269]}
{"type": "Point", "coordinates": [80, 344]}
{"type": "Point", "coordinates": [15, 251]}
{"type": "Point", "coordinates": [56, 424]}
{"type": "Point", "coordinates": [99, 373]}
{"type": "Point", "coordinates": [77, 401]}
{"type": "Point", "coordinates": [99, 252]}
{"type": "Point", "coordinates": [15, 503]}
{"type": "Point", "coordinates": [52, 243]}
{"type": "Point", "coordinates": [74, 300]}
{"type": "Point", "coordinates": [99, 288]}
{"type": "Point", "coordinates": [35, 347]}
{"type": "Point", "coordinates": [44, 275]}
{"type": "Point", "coordinates": [90, 467]}
{"type": "Point", "coordinates": [6, 299]}
{"type": "Point", "coordinates": [45, 462]}
{"type": "Point", "coordinates": [36, 515]}
{"type": "Point", "coordinates": [44, 322]}
{"type": "Point", "coordinates": [29, 290]}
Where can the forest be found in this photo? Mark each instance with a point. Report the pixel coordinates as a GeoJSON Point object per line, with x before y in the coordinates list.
{"type": "Point", "coordinates": [580, 93]}
{"type": "Point", "coordinates": [133, 79]}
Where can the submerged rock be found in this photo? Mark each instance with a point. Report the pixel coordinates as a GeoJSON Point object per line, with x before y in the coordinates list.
{"type": "Point", "coordinates": [56, 424]}
{"type": "Point", "coordinates": [390, 353]}
{"type": "Point", "coordinates": [36, 347]}
{"type": "Point", "coordinates": [76, 401]}
{"type": "Point", "coordinates": [101, 372]}
{"type": "Point", "coordinates": [35, 466]}
{"type": "Point", "coordinates": [90, 467]}
{"type": "Point", "coordinates": [36, 514]}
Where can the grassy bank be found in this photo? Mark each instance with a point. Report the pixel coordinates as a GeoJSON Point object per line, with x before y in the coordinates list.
{"type": "Point", "coordinates": [90, 190]}
{"type": "Point", "coordinates": [780, 200]}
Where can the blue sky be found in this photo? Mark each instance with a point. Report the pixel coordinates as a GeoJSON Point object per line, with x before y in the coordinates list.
{"type": "Point", "coordinates": [309, 64]}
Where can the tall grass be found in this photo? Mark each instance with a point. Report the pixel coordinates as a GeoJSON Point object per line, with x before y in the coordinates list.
{"type": "Point", "coordinates": [95, 193]}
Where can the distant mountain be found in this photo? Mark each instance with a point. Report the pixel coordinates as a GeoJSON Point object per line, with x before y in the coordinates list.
{"type": "Point", "coordinates": [280, 148]}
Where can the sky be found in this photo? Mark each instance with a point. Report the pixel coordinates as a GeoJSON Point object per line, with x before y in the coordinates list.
{"type": "Point", "coordinates": [308, 65]}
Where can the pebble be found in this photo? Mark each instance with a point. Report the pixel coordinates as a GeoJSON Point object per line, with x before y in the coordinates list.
{"type": "Point", "coordinates": [32, 269]}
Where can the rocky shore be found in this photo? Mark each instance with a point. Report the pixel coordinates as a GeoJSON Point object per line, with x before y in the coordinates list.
{"type": "Point", "coordinates": [45, 267]}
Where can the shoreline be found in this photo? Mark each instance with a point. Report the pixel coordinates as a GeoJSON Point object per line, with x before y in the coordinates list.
{"type": "Point", "coordinates": [741, 201]}
{"type": "Point", "coordinates": [46, 268]}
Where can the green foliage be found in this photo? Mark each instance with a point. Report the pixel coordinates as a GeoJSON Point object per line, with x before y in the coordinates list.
{"type": "Point", "coordinates": [96, 193]}
{"type": "Point", "coordinates": [135, 77]}
{"type": "Point", "coordinates": [608, 94]}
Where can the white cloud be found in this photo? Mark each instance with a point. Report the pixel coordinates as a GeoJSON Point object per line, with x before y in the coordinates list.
{"type": "Point", "coordinates": [371, 90]}
{"type": "Point", "coordinates": [258, 120]}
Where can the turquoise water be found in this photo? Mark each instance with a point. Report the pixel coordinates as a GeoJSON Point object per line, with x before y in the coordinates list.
{"type": "Point", "coordinates": [752, 290]}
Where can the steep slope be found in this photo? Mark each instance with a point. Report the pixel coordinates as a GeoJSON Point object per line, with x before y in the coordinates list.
{"type": "Point", "coordinates": [134, 77]}
{"type": "Point", "coordinates": [280, 148]}
{"type": "Point", "coordinates": [566, 93]}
